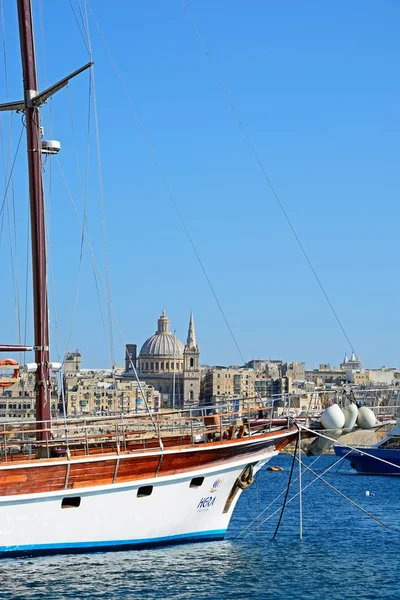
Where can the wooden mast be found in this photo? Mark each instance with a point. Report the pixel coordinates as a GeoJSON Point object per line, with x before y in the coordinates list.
{"type": "Point", "coordinates": [37, 215]}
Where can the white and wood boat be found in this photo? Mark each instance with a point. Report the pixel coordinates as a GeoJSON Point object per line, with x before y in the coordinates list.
{"type": "Point", "coordinates": [110, 483]}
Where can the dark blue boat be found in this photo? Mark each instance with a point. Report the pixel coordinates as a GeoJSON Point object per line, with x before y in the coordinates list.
{"type": "Point", "coordinates": [375, 459]}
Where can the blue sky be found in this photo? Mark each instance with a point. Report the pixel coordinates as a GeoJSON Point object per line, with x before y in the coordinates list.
{"type": "Point", "coordinates": [317, 88]}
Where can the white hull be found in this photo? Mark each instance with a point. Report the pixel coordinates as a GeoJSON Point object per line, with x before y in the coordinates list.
{"type": "Point", "coordinates": [113, 516]}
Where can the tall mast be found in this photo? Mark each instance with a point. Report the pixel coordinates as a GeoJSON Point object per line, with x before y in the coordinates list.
{"type": "Point", "coordinates": [37, 215]}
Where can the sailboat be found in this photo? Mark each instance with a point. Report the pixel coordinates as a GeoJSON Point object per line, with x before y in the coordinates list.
{"type": "Point", "coordinates": [129, 481]}
{"type": "Point", "coordinates": [70, 486]}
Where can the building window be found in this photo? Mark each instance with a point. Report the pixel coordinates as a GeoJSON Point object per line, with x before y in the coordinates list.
{"type": "Point", "coordinates": [156, 366]}
{"type": "Point", "coordinates": [191, 395]}
{"type": "Point", "coordinates": [192, 362]}
{"type": "Point", "coordinates": [151, 366]}
{"type": "Point", "coordinates": [147, 366]}
{"type": "Point", "coordinates": [162, 366]}
{"type": "Point", "coordinates": [167, 366]}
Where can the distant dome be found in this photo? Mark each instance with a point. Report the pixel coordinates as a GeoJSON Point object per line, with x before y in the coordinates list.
{"type": "Point", "coordinates": [163, 343]}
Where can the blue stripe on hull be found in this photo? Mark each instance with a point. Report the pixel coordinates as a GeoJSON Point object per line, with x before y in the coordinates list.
{"type": "Point", "coordinates": [368, 465]}
{"type": "Point", "coordinates": [114, 545]}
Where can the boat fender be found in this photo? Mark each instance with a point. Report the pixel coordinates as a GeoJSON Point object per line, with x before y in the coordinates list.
{"type": "Point", "coordinates": [366, 418]}
{"type": "Point", "coordinates": [245, 478]}
{"type": "Point", "coordinates": [332, 417]}
{"type": "Point", "coordinates": [15, 375]}
{"type": "Point", "coordinates": [350, 414]}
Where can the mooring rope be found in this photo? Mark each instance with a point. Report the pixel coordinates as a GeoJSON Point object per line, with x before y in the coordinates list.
{"type": "Point", "coordinates": [332, 487]}
{"type": "Point", "coordinates": [287, 488]}
{"type": "Point", "coordinates": [256, 520]}
{"type": "Point", "coordinates": [356, 449]}
{"type": "Point", "coordinates": [292, 498]}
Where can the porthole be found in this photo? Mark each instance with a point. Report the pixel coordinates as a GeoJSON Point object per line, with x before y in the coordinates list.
{"type": "Point", "coordinates": [196, 482]}
{"type": "Point", "coordinates": [71, 502]}
{"type": "Point", "coordinates": [145, 490]}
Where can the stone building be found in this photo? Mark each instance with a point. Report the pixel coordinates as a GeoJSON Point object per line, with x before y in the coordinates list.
{"type": "Point", "coordinates": [168, 365]}
{"type": "Point", "coordinates": [294, 370]}
{"type": "Point", "coordinates": [351, 364]}
{"type": "Point", "coordinates": [271, 368]}
{"type": "Point", "coordinates": [104, 391]}
{"type": "Point", "coordinates": [325, 375]}
{"type": "Point", "coordinates": [19, 400]}
{"type": "Point", "coordinates": [228, 382]}
{"type": "Point", "coordinates": [241, 382]}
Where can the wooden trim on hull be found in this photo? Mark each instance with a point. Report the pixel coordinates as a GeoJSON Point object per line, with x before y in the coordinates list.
{"type": "Point", "coordinates": [32, 477]}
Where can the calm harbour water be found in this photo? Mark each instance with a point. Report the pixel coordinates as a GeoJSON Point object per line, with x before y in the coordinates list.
{"type": "Point", "coordinates": [343, 555]}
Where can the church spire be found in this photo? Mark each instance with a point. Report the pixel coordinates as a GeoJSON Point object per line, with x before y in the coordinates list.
{"type": "Point", "coordinates": [191, 338]}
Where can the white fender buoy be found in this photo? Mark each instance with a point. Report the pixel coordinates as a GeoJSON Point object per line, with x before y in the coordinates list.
{"type": "Point", "coordinates": [366, 418]}
{"type": "Point", "coordinates": [350, 416]}
{"type": "Point", "coordinates": [332, 417]}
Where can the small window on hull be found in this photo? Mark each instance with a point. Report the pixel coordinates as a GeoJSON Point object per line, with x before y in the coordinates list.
{"type": "Point", "coordinates": [145, 490]}
{"type": "Point", "coordinates": [196, 482]}
{"type": "Point", "coordinates": [71, 502]}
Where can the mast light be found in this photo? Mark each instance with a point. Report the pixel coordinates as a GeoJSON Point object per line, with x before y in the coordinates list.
{"type": "Point", "coordinates": [51, 147]}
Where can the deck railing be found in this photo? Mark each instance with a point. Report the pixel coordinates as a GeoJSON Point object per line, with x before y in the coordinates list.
{"type": "Point", "coordinates": [131, 432]}
{"type": "Point", "coordinates": [225, 419]}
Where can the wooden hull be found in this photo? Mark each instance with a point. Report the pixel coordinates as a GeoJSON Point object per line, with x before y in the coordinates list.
{"type": "Point", "coordinates": [37, 476]}
{"type": "Point", "coordinates": [133, 499]}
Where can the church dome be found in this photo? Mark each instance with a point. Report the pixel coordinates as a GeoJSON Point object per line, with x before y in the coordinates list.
{"type": "Point", "coordinates": [163, 343]}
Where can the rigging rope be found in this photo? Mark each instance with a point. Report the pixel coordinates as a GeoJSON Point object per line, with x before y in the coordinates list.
{"type": "Point", "coordinates": [86, 30]}
{"type": "Point", "coordinates": [270, 504]}
{"type": "Point", "coordinates": [14, 267]}
{"type": "Point", "coordinates": [84, 187]}
{"type": "Point", "coordinates": [263, 170]}
{"type": "Point", "coordinates": [45, 115]}
{"type": "Point", "coordinates": [79, 25]}
{"type": "Point", "coordinates": [12, 242]}
{"type": "Point", "coordinates": [287, 489]}
{"type": "Point", "coordinates": [165, 182]}
{"type": "Point", "coordinates": [357, 449]}
{"type": "Point", "coordinates": [91, 253]}
{"type": "Point", "coordinates": [27, 277]}
{"type": "Point", "coordinates": [332, 487]}
{"type": "Point", "coordinates": [11, 220]}
{"type": "Point", "coordinates": [295, 495]}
